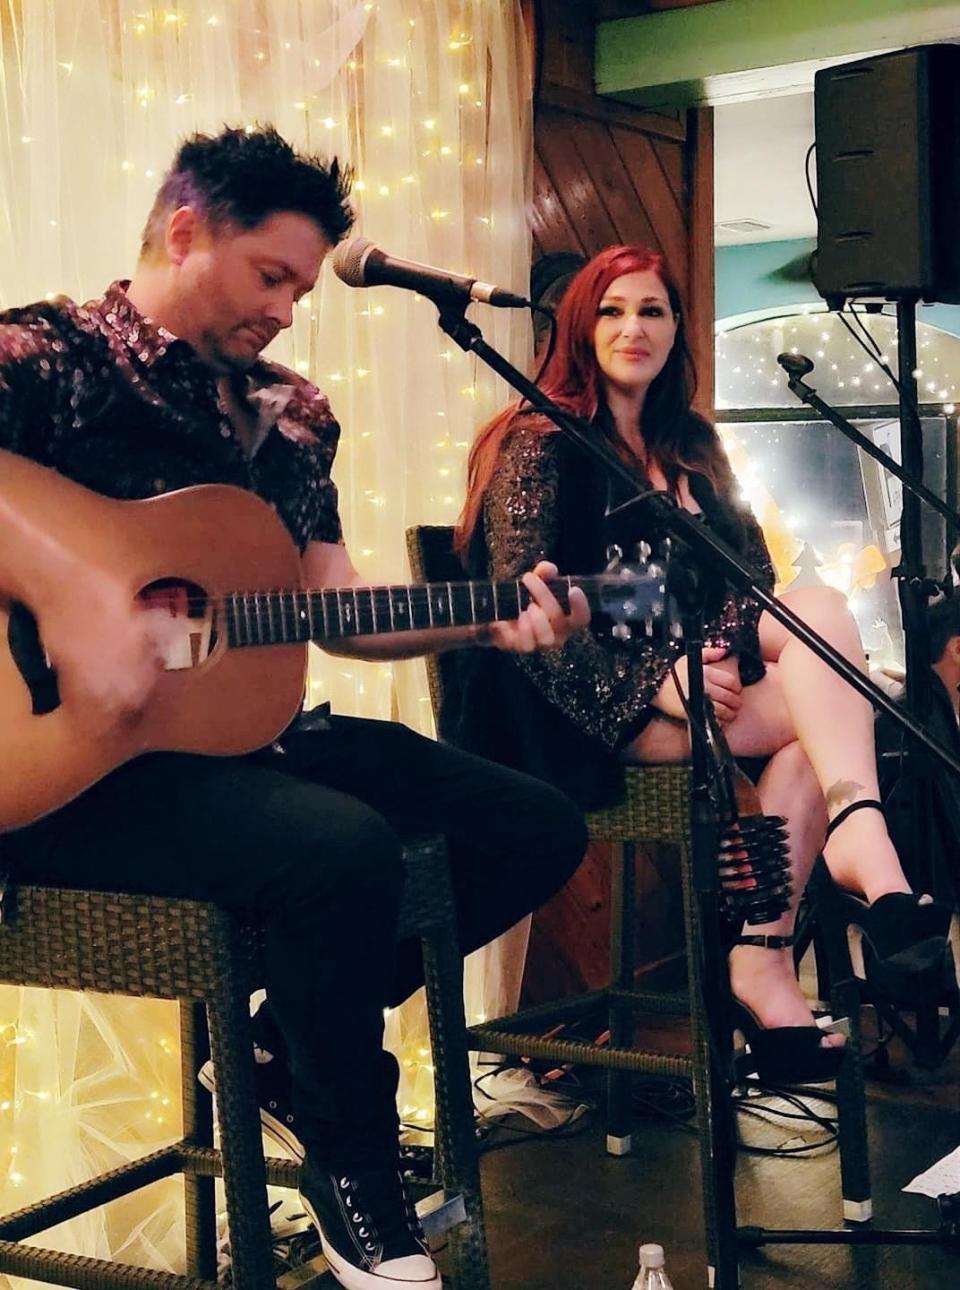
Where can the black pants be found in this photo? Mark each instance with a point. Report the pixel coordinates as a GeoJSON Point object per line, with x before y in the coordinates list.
{"type": "Point", "coordinates": [307, 843]}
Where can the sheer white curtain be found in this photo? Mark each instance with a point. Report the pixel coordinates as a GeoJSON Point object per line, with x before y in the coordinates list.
{"type": "Point", "coordinates": [429, 101]}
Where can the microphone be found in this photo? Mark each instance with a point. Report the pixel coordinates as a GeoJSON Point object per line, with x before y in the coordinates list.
{"type": "Point", "coordinates": [795, 365]}
{"type": "Point", "coordinates": [359, 263]}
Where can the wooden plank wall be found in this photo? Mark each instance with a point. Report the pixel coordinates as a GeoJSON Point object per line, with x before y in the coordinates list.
{"type": "Point", "coordinates": [606, 172]}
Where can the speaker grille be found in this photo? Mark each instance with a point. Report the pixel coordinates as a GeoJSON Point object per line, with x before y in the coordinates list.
{"type": "Point", "coordinates": [888, 175]}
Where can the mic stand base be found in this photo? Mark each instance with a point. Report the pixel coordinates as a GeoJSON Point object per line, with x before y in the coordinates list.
{"type": "Point", "coordinates": [946, 1235]}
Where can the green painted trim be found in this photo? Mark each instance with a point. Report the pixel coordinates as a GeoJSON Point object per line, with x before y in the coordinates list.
{"type": "Point", "coordinates": [675, 56]}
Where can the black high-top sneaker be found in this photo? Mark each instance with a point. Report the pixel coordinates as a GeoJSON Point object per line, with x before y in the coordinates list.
{"type": "Point", "coordinates": [369, 1231]}
{"type": "Point", "coordinates": [274, 1094]}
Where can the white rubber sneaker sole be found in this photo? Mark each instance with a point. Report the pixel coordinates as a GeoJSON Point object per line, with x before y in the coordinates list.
{"type": "Point", "coordinates": [275, 1129]}
{"type": "Point", "coordinates": [352, 1278]}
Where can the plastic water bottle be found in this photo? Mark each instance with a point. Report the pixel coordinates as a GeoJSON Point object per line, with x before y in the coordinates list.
{"type": "Point", "coordinates": [652, 1274]}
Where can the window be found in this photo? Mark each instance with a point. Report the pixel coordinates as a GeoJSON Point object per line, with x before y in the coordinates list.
{"type": "Point", "coordinates": [829, 512]}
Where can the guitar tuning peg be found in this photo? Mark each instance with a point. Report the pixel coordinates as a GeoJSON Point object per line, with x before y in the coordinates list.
{"type": "Point", "coordinates": [641, 553]}
{"type": "Point", "coordinates": [614, 557]}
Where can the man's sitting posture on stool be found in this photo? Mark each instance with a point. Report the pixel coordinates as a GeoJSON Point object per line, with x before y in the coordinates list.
{"type": "Point", "coordinates": [159, 385]}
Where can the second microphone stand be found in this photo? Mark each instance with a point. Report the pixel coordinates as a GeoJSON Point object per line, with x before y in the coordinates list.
{"type": "Point", "coordinates": [914, 590]}
{"type": "Point", "coordinates": [716, 560]}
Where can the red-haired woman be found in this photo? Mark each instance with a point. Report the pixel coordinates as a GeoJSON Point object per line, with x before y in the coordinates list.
{"type": "Point", "coordinates": [576, 715]}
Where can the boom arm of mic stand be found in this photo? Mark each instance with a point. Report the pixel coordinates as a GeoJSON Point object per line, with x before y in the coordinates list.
{"type": "Point", "coordinates": [806, 394]}
{"type": "Point", "coordinates": [681, 525]}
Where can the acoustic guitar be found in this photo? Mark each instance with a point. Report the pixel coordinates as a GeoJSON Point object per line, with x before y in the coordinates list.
{"type": "Point", "coordinates": [234, 669]}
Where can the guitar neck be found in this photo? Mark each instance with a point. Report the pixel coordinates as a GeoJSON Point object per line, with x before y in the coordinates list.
{"type": "Point", "coordinates": [275, 617]}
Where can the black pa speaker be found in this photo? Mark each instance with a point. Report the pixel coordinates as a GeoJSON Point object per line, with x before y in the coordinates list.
{"type": "Point", "coordinates": [888, 175]}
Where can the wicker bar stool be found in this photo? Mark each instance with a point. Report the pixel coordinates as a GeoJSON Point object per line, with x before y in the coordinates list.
{"type": "Point", "coordinates": [198, 954]}
{"type": "Point", "coordinates": [655, 810]}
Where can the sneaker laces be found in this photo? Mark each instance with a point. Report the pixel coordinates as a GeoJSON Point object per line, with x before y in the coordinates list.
{"type": "Point", "coordinates": [380, 1209]}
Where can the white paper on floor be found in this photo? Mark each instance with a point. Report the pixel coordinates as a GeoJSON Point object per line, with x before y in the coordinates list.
{"type": "Point", "coordinates": [942, 1177]}
{"type": "Point", "coordinates": [516, 1090]}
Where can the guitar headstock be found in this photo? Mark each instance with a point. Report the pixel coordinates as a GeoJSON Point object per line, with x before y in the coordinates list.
{"type": "Point", "coordinates": [632, 595]}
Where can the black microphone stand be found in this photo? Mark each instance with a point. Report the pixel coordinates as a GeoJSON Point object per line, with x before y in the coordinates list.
{"type": "Point", "coordinates": [914, 588]}
{"type": "Point", "coordinates": [715, 559]}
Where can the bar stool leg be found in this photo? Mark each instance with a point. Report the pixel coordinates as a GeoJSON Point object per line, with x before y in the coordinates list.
{"type": "Point", "coordinates": [851, 1092]}
{"type": "Point", "coordinates": [244, 1172]}
{"type": "Point", "coordinates": [198, 1193]}
{"type": "Point", "coordinates": [456, 1163]}
{"type": "Point", "coordinates": [622, 962]}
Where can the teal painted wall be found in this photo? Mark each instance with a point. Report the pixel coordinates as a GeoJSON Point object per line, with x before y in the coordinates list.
{"type": "Point", "coordinates": [744, 284]}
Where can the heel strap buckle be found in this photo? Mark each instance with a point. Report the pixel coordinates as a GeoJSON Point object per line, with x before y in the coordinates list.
{"type": "Point", "coordinates": [767, 942]}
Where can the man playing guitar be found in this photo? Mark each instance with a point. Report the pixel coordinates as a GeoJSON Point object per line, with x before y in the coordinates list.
{"type": "Point", "coordinates": [156, 387]}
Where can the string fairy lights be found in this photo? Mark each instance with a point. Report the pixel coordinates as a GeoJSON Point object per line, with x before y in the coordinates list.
{"type": "Point", "coordinates": [748, 375]}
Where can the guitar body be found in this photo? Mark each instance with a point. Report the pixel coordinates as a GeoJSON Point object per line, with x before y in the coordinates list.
{"type": "Point", "coordinates": [209, 699]}
{"type": "Point", "coordinates": [234, 662]}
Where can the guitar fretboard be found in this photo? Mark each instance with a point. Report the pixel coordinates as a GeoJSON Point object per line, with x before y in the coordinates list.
{"type": "Point", "coordinates": [272, 617]}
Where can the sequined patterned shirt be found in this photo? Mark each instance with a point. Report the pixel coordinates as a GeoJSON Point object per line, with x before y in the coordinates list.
{"type": "Point", "coordinates": [121, 405]}
{"type": "Point", "coordinates": [604, 686]}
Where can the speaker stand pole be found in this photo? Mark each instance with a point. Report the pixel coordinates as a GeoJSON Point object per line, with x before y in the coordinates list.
{"type": "Point", "coordinates": [912, 591]}
{"type": "Point", "coordinates": [911, 579]}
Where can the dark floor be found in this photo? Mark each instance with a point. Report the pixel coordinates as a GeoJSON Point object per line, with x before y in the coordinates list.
{"type": "Point", "coordinates": [561, 1213]}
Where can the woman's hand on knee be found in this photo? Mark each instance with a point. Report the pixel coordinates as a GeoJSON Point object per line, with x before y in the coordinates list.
{"type": "Point", "coordinates": [721, 683]}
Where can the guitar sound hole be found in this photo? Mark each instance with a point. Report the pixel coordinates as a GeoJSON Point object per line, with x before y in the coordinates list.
{"type": "Point", "coordinates": [186, 621]}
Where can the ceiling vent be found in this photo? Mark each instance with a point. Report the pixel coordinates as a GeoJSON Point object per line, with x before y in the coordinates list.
{"type": "Point", "coordinates": [742, 226]}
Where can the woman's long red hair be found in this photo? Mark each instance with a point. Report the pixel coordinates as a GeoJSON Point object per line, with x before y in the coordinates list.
{"type": "Point", "coordinates": [677, 438]}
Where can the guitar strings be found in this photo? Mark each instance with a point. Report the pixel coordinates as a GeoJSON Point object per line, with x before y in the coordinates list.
{"type": "Point", "coordinates": [422, 593]}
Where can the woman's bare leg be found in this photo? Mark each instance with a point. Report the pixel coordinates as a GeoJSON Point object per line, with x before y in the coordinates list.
{"type": "Point", "coordinates": [834, 726]}
{"type": "Point", "coordinates": [761, 978]}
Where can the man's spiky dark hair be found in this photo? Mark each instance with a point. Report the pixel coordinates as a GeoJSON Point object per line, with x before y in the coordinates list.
{"type": "Point", "coordinates": [242, 177]}
{"type": "Point", "coordinates": [943, 623]}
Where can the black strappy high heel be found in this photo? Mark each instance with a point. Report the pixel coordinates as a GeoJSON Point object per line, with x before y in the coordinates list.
{"type": "Point", "coordinates": [907, 955]}
{"type": "Point", "coordinates": [784, 1054]}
